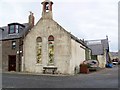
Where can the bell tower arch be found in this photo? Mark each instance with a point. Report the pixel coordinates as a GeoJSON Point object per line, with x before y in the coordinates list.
{"type": "Point", "coordinates": [47, 9]}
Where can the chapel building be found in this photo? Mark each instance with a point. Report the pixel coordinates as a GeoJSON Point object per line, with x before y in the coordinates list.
{"type": "Point", "coordinates": [49, 44]}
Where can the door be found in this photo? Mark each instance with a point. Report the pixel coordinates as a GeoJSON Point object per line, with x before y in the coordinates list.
{"type": "Point", "coordinates": [12, 63]}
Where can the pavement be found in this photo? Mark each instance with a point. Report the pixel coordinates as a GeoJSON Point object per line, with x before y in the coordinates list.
{"type": "Point", "coordinates": [29, 73]}
{"type": "Point", "coordinates": [37, 74]}
{"type": "Point", "coordinates": [105, 78]}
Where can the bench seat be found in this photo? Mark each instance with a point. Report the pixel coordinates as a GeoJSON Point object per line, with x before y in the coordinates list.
{"type": "Point", "coordinates": [52, 68]}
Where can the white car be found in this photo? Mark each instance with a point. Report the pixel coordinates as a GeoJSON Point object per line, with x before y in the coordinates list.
{"type": "Point", "coordinates": [115, 63]}
{"type": "Point", "coordinates": [93, 64]}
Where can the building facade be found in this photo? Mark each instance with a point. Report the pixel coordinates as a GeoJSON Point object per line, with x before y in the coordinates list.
{"type": "Point", "coordinates": [49, 44]}
{"type": "Point", "coordinates": [12, 46]}
{"type": "Point", "coordinates": [100, 51]}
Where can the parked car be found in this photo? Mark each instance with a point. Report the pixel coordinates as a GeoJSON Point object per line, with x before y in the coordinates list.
{"type": "Point", "coordinates": [92, 64]}
{"type": "Point", "coordinates": [116, 61]}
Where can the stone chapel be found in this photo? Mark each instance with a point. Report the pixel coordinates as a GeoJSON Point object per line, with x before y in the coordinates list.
{"type": "Point", "coordinates": [49, 44]}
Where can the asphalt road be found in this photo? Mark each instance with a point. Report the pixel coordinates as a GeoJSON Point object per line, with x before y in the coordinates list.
{"type": "Point", "coordinates": [107, 78]}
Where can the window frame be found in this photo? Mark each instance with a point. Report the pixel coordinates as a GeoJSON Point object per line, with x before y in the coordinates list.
{"type": "Point", "coordinates": [51, 39]}
{"type": "Point", "coordinates": [37, 41]}
{"type": "Point", "coordinates": [10, 29]}
{"type": "Point", "coordinates": [16, 30]}
{"type": "Point", "coordinates": [13, 46]}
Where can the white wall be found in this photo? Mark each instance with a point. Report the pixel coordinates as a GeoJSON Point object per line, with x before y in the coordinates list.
{"type": "Point", "coordinates": [102, 61]}
{"type": "Point", "coordinates": [77, 55]}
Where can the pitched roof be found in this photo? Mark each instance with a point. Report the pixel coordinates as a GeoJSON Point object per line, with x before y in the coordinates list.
{"type": "Point", "coordinates": [97, 49]}
{"type": "Point", "coordinates": [98, 46]}
{"type": "Point", "coordinates": [105, 43]}
{"type": "Point", "coordinates": [5, 36]}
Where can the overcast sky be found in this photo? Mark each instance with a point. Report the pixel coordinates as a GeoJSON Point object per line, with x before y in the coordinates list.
{"type": "Point", "coordinates": [86, 19]}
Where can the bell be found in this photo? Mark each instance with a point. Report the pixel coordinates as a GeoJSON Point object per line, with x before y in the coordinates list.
{"type": "Point", "coordinates": [47, 7]}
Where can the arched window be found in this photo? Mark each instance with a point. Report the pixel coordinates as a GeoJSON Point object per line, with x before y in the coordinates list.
{"type": "Point", "coordinates": [39, 49]}
{"type": "Point", "coordinates": [51, 49]}
{"type": "Point", "coordinates": [50, 38]}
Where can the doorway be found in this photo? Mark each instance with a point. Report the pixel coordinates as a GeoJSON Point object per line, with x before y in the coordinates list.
{"type": "Point", "coordinates": [12, 63]}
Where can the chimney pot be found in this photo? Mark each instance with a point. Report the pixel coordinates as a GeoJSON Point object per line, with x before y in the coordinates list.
{"type": "Point", "coordinates": [31, 19]}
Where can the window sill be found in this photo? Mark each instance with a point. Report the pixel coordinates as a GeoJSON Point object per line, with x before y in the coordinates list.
{"type": "Point", "coordinates": [38, 64]}
{"type": "Point", "coordinates": [12, 34]}
{"type": "Point", "coordinates": [50, 64]}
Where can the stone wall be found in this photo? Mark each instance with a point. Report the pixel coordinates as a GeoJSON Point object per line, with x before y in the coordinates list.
{"type": "Point", "coordinates": [44, 28]}
{"type": "Point", "coordinates": [102, 61]}
{"type": "Point", "coordinates": [6, 51]}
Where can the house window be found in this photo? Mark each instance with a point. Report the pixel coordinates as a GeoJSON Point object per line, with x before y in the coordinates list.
{"type": "Point", "coordinates": [13, 44]}
{"type": "Point", "coordinates": [11, 29]}
{"type": "Point", "coordinates": [51, 49]}
{"type": "Point", "coordinates": [39, 50]}
{"type": "Point", "coordinates": [17, 28]}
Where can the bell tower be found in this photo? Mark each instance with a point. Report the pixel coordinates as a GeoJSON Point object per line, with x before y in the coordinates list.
{"type": "Point", "coordinates": [47, 9]}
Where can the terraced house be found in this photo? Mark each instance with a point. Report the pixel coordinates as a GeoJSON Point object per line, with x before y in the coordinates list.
{"type": "Point", "coordinates": [11, 45]}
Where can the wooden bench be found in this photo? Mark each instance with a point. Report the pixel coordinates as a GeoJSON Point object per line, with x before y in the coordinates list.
{"type": "Point", "coordinates": [53, 68]}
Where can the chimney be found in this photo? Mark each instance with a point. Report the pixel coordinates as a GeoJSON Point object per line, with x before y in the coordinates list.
{"type": "Point", "coordinates": [31, 20]}
{"type": "Point", "coordinates": [107, 37]}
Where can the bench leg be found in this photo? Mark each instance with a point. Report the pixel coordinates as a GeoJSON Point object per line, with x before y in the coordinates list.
{"type": "Point", "coordinates": [54, 71]}
{"type": "Point", "coordinates": [44, 71]}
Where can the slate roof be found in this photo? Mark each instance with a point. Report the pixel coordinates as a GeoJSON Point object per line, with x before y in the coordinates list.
{"type": "Point", "coordinates": [78, 40]}
{"type": "Point", "coordinates": [98, 48]}
{"type": "Point", "coordinates": [5, 36]}
{"type": "Point", "coordinates": [105, 43]}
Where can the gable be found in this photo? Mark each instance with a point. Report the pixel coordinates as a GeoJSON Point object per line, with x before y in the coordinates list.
{"type": "Point", "coordinates": [51, 26]}
{"type": "Point", "coordinates": [45, 26]}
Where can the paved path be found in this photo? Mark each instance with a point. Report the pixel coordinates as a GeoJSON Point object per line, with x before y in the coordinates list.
{"type": "Point", "coordinates": [107, 78]}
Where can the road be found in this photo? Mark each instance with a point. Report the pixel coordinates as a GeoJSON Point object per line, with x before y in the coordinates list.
{"type": "Point", "coordinates": [107, 78]}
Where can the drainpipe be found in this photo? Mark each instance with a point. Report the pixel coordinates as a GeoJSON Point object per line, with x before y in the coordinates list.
{"type": "Point", "coordinates": [19, 56]}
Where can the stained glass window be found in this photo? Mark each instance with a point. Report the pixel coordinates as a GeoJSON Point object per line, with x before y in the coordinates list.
{"type": "Point", "coordinates": [51, 49]}
{"type": "Point", "coordinates": [39, 50]}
